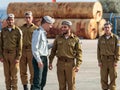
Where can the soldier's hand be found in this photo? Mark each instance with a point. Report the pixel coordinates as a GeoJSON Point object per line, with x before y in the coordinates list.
{"type": "Point", "coordinates": [115, 64]}
{"type": "Point", "coordinates": [100, 64]}
{"type": "Point", "coordinates": [50, 67]}
{"type": "Point", "coordinates": [1, 59]}
{"type": "Point", "coordinates": [40, 64]}
{"type": "Point", "coordinates": [76, 69]}
{"type": "Point", "coordinates": [16, 61]}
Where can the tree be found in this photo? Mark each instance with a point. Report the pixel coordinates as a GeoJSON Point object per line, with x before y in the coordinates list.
{"type": "Point", "coordinates": [110, 6]}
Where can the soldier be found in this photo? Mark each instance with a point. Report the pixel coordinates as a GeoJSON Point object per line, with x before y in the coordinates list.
{"type": "Point", "coordinates": [108, 56]}
{"type": "Point", "coordinates": [67, 48]}
{"type": "Point", "coordinates": [26, 59]}
{"type": "Point", "coordinates": [10, 52]}
{"type": "Point", "coordinates": [40, 53]}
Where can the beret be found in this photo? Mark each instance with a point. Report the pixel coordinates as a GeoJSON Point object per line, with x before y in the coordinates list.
{"type": "Point", "coordinates": [10, 15]}
{"type": "Point", "coordinates": [28, 13]}
{"type": "Point", "coordinates": [67, 22]}
{"type": "Point", "coordinates": [49, 19]}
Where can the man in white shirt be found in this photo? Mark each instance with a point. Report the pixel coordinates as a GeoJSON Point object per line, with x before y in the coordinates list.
{"type": "Point", "coordinates": [40, 52]}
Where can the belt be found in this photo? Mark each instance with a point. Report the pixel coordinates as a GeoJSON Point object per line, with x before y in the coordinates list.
{"type": "Point", "coordinates": [65, 59]}
{"type": "Point", "coordinates": [9, 51]}
{"type": "Point", "coordinates": [26, 47]}
{"type": "Point", "coordinates": [108, 56]}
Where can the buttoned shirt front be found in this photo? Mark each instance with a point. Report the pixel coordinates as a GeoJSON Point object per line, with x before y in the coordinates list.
{"type": "Point", "coordinates": [27, 34]}
{"type": "Point", "coordinates": [67, 47]}
{"type": "Point", "coordinates": [11, 40]}
{"type": "Point", "coordinates": [39, 44]}
{"type": "Point", "coordinates": [108, 47]}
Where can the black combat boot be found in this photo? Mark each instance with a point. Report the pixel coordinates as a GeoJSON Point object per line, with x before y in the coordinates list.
{"type": "Point", "coordinates": [25, 87]}
{"type": "Point", "coordinates": [31, 88]}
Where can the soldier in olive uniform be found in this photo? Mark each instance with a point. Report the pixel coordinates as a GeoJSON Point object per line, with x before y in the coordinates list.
{"type": "Point", "coordinates": [67, 48]}
{"type": "Point", "coordinates": [108, 56]}
{"type": "Point", "coordinates": [10, 52]}
{"type": "Point", "coordinates": [26, 59]}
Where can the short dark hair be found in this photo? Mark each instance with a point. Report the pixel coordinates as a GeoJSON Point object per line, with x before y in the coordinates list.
{"type": "Point", "coordinates": [108, 23]}
{"type": "Point", "coordinates": [43, 21]}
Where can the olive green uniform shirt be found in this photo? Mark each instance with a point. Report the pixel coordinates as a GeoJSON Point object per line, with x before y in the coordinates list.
{"type": "Point", "coordinates": [27, 34]}
{"type": "Point", "coordinates": [70, 48]}
{"type": "Point", "coordinates": [108, 47]}
{"type": "Point", "coordinates": [11, 41]}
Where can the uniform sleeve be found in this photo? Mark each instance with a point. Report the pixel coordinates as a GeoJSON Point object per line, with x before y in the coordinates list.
{"type": "Point", "coordinates": [98, 52]}
{"type": "Point", "coordinates": [78, 53]}
{"type": "Point", "coordinates": [53, 51]}
{"type": "Point", "coordinates": [1, 46]}
{"type": "Point", "coordinates": [117, 50]}
{"type": "Point", "coordinates": [20, 44]}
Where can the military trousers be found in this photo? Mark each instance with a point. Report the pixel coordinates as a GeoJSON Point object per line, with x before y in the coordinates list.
{"type": "Point", "coordinates": [40, 74]}
{"type": "Point", "coordinates": [10, 70]}
{"type": "Point", "coordinates": [66, 74]}
{"type": "Point", "coordinates": [26, 60]}
{"type": "Point", "coordinates": [108, 70]}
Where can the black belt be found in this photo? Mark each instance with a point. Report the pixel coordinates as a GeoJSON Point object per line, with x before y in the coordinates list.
{"type": "Point", "coordinates": [108, 56]}
{"type": "Point", "coordinates": [65, 59]}
{"type": "Point", "coordinates": [9, 51]}
{"type": "Point", "coordinates": [26, 47]}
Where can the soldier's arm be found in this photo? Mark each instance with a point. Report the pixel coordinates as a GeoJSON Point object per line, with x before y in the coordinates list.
{"type": "Point", "coordinates": [117, 50]}
{"type": "Point", "coordinates": [1, 46]}
{"type": "Point", "coordinates": [78, 53]}
{"type": "Point", "coordinates": [98, 52]}
{"type": "Point", "coordinates": [19, 44]}
{"type": "Point", "coordinates": [53, 51]}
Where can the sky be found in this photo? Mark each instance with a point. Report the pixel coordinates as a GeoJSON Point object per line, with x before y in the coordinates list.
{"type": "Point", "coordinates": [4, 3]}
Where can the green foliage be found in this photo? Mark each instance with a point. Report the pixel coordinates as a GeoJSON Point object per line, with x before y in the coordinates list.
{"type": "Point", "coordinates": [110, 6]}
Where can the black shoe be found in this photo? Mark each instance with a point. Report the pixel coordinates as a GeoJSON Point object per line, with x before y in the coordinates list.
{"type": "Point", "coordinates": [25, 87]}
{"type": "Point", "coordinates": [31, 88]}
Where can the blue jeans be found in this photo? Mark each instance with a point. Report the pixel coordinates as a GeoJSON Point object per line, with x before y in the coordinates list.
{"type": "Point", "coordinates": [40, 74]}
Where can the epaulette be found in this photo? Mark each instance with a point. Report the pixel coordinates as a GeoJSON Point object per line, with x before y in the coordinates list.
{"type": "Point", "coordinates": [116, 36]}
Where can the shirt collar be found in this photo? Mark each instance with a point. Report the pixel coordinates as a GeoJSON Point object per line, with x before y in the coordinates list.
{"type": "Point", "coordinates": [110, 35]}
{"type": "Point", "coordinates": [30, 25]}
{"type": "Point", "coordinates": [13, 28]}
{"type": "Point", "coordinates": [71, 35]}
{"type": "Point", "coordinates": [42, 29]}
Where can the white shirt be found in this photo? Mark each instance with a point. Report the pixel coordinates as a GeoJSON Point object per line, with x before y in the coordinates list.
{"type": "Point", "coordinates": [107, 37]}
{"type": "Point", "coordinates": [39, 44]}
{"type": "Point", "coordinates": [10, 29]}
